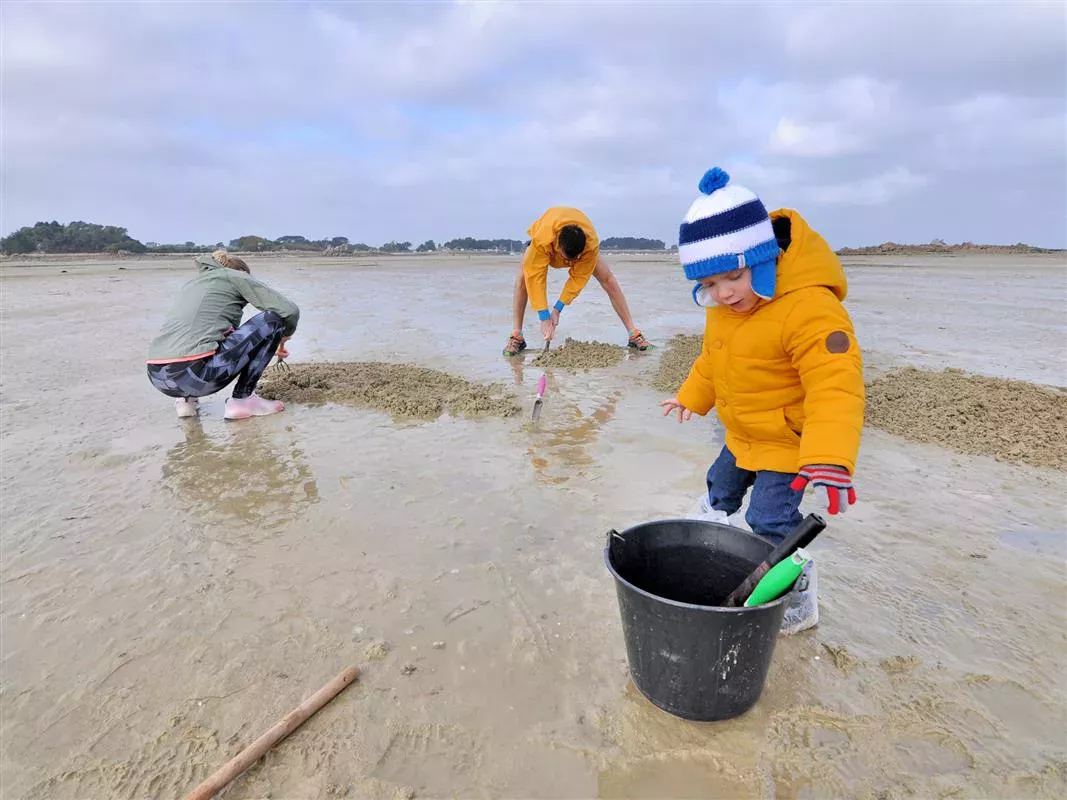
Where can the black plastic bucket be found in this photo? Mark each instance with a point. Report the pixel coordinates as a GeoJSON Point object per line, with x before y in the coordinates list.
{"type": "Point", "coordinates": [688, 655]}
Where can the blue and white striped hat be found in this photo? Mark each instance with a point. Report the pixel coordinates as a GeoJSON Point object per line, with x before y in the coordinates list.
{"type": "Point", "coordinates": [727, 228]}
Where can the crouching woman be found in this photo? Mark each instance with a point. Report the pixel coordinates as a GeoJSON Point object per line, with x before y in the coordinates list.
{"type": "Point", "coordinates": [202, 346]}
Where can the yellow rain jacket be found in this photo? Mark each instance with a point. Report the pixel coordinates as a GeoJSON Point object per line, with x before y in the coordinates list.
{"type": "Point", "coordinates": [542, 254]}
{"type": "Point", "coordinates": [786, 378]}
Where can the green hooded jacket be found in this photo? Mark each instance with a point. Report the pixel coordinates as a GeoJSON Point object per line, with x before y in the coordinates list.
{"type": "Point", "coordinates": [209, 307]}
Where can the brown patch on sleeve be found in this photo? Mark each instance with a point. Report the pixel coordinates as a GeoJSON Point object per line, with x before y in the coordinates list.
{"type": "Point", "coordinates": [838, 342]}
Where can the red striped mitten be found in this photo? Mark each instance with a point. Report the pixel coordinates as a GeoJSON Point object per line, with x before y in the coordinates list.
{"type": "Point", "coordinates": [840, 493]}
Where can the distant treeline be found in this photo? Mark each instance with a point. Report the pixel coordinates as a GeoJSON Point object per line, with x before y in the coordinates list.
{"type": "Point", "coordinates": [77, 237]}
{"type": "Point", "coordinates": [940, 247]}
{"type": "Point", "coordinates": [87, 237]}
{"type": "Point", "coordinates": [631, 243]}
{"type": "Point", "coordinates": [467, 243]}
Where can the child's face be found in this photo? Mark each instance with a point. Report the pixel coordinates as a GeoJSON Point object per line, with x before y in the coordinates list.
{"type": "Point", "coordinates": [733, 290]}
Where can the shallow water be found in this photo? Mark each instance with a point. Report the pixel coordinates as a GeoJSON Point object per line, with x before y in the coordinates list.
{"type": "Point", "coordinates": [171, 588]}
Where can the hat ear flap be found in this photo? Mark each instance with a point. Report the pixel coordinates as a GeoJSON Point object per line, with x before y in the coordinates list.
{"type": "Point", "coordinates": [765, 278]}
{"type": "Point", "coordinates": [702, 296]}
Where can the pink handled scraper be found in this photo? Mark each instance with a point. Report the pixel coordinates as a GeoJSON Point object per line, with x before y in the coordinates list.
{"type": "Point", "coordinates": [540, 395]}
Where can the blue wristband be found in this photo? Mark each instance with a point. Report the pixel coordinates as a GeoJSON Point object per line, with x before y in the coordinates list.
{"type": "Point", "coordinates": [559, 305]}
{"type": "Point", "coordinates": [543, 315]}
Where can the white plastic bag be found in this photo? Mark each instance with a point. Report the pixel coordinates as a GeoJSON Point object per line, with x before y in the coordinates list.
{"type": "Point", "coordinates": [702, 510]}
{"type": "Point", "coordinates": [802, 612]}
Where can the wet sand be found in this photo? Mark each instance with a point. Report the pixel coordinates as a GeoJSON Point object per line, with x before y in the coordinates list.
{"type": "Point", "coordinates": [682, 350]}
{"type": "Point", "coordinates": [575, 355]}
{"type": "Point", "coordinates": [171, 588]}
{"type": "Point", "coordinates": [1008, 420]}
{"type": "Point", "coordinates": [402, 390]}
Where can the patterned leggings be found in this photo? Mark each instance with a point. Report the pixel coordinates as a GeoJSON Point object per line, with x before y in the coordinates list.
{"type": "Point", "coordinates": [243, 355]}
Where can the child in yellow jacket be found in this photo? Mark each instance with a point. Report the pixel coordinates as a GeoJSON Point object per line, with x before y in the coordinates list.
{"type": "Point", "coordinates": [780, 363]}
{"type": "Point", "coordinates": [564, 238]}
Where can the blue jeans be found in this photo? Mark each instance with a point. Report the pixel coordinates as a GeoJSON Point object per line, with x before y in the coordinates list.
{"type": "Point", "coordinates": [774, 510]}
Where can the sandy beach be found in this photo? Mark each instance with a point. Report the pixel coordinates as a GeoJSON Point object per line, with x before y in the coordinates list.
{"type": "Point", "coordinates": [172, 587]}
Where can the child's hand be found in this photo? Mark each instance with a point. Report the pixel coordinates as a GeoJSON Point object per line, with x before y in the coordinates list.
{"type": "Point", "coordinates": [281, 352]}
{"type": "Point", "coordinates": [840, 493]}
{"type": "Point", "coordinates": [684, 414]}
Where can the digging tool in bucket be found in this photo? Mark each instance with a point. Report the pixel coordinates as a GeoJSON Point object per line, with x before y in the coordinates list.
{"type": "Point", "coordinates": [809, 527]}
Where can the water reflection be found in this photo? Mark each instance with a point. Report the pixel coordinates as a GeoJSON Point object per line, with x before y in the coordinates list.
{"type": "Point", "coordinates": [660, 755]}
{"type": "Point", "coordinates": [562, 438]}
{"type": "Point", "coordinates": [240, 473]}
{"type": "Point", "coordinates": [518, 368]}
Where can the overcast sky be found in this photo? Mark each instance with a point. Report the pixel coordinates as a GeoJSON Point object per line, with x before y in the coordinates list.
{"type": "Point", "coordinates": [408, 121]}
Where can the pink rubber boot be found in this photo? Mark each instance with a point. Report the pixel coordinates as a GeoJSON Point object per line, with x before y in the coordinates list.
{"type": "Point", "coordinates": [251, 406]}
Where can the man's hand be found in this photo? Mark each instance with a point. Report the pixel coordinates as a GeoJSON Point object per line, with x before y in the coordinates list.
{"type": "Point", "coordinates": [668, 406]}
{"type": "Point", "coordinates": [548, 329]}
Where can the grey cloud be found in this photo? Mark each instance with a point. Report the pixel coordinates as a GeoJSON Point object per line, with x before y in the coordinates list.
{"type": "Point", "coordinates": [881, 121]}
{"type": "Point", "coordinates": [938, 48]}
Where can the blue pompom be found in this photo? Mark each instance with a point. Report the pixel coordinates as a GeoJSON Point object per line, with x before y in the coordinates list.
{"type": "Point", "coordinates": [713, 179]}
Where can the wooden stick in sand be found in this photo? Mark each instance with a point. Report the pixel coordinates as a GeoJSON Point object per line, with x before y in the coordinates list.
{"type": "Point", "coordinates": [289, 723]}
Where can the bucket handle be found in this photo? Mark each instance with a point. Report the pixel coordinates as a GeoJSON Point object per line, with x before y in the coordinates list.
{"type": "Point", "coordinates": [613, 534]}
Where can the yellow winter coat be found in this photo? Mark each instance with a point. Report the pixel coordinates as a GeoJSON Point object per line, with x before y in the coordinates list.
{"type": "Point", "coordinates": [543, 253]}
{"type": "Point", "coordinates": [786, 378]}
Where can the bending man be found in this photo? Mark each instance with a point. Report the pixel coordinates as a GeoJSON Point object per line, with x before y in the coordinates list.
{"type": "Point", "coordinates": [564, 238]}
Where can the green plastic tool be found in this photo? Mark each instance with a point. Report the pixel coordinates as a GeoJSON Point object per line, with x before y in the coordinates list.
{"type": "Point", "coordinates": [778, 580]}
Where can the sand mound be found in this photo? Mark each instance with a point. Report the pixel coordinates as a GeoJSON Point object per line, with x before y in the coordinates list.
{"type": "Point", "coordinates": [402, 390]}
{"type": "Point", "coordinates": [581, 355]}
{"type": "Point", "coordinates": [1008, 420]}
{"type": "Point", "coordinates": [677, 359]}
